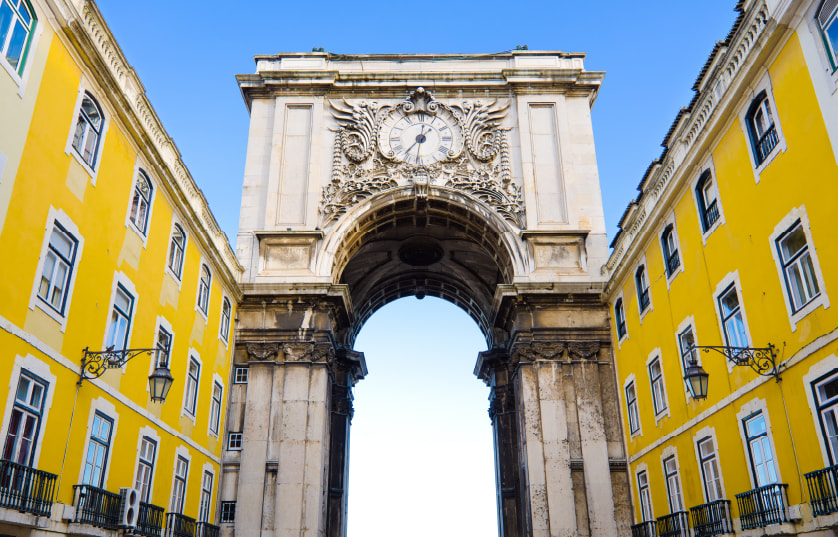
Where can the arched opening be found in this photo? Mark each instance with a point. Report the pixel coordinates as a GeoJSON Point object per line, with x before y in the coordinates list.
{"type": "Point", "coordinates": [421, 455]}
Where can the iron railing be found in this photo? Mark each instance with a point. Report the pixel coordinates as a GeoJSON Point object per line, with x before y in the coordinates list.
{"type": "Point", "coordinates": [205, 529]}
{"type": "Point", "coordinates": [97, 507]}
{"type": "Point", "coordinates": [823, 489]}
{"type": "Point", "coordinates": [150, 520]}
{"type": "Point", "coordinates": [767, 143]}
{"type": "Point", "coordinates": [674, 525]}
{"type": "Point", "coordinates": [645, 529]}
{"type": "Point", "coordinates": [178, 525]}
{"type": "Point", "coordinates": [711, 518]}
{"type": "Point", "coordinates": [26, 489]}
{"type": "Point", "coordinates": [644, 300]}
{"type": "Point", "coordinates": [763, 506]}
{"type": "Point", "coordinates": [711, 214]}
{"type": "Point", "coordinates": [673, 262]}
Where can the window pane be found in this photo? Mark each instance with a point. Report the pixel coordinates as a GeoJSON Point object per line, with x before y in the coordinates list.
{"type": "Point", "coordinates": [793, 243]}
{"type": "Point", "coordinates": [91, 112]}
{"type": "Point", "coordinates": [831, 32]}
{"type": "Point", "coordinates": [729, 302]}
{"type": "Point", "coordinates": [15, 50]}
{"type": "Point", "coordinates": [6, 17]}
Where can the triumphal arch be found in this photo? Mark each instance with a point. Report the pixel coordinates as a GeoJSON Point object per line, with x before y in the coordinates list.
{"type": "Point", "coordinates": [470, 178]}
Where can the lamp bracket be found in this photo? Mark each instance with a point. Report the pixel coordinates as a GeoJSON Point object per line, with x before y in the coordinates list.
{"type": "Point", "coordinates": [95, 363]}
{"type": "Point", "coordinates": [763, 360]}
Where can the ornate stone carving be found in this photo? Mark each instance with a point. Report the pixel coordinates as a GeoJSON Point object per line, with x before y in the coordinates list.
{"type": "Point", "coordinates": [502, 400]}
{"type": "Point", "coordinates": [538, 350]}
{"type": "Point", "coordinates": [262, 351]}
{"type": "Point", "coordinates": [298, 352]}
{"type": "Point", "coordinates": [342, 401]}
{"type": "Point", "coordinates": [583, 349]}
{"type": "Point", "coordinates": [360, 169]}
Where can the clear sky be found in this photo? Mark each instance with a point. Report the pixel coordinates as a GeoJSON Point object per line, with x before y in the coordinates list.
{"type": "Point", "coordinates": [421, 459]}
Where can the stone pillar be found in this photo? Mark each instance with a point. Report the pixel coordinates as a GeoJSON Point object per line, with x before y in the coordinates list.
{"type": "Point", "coordinates": [350, 367]}
{"type": "Point", "coordinates": [493, 368]}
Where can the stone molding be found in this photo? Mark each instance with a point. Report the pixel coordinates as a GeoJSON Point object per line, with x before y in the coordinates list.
{"type": "Point", "coordinates": [538, 351]}
{"type": "Point", "coordinates": [342, 401]}
{"type": "Point", "coordinates": [502, 400]}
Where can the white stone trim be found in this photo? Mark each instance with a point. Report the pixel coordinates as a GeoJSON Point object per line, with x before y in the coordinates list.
{"type": "Point", "coordinates": [625, 336]}
{"type": "Point", "coordinates": [166, 268]}
{"type": "Point", "coordinates": [751, 408]}
{"type": "Point", "coordinates": [193, 355]}
{"type": "Point", "coordinates": [822, 300]}
{"type": "Point", "coordinates": [762, 83]}
{"type": "Point", "coordinates": [120, 278]}
{"type": "Point", "coordinates": [86, 87]}
{"type": "Point", "coordinates": [138, 165]}
{"type": "Point", "coordinates": [20, 80]}
{"type": "Point", "coordinates": [221, 338]}
{"type": "Point", "coordinates": [710, 166]}
{"type": "Point", "coordinates": [216, 378]}
{"type": "Point", "coordinates": [201, 265]}
{"type": "Point", "coordinates": [639, 432]}
{"type": "Point", "coordinates": [641, 261]}
{"type": "Point", "coordinates": [57, 215]}
{"type": "Point", "coordinates": [824, 77]}
{"type": "Point", "coordinates": [688, 322]}
{"type": "Point", "coordinates": [149, 432]}
{"type": "Point", "coordinates": [816, 371]}
{"type": "Point", "coordinates": [657, 355]}
{"type": "Point", "coordinates": [666, 453]}
{"type": "Point", "coordinates": [699, 435]}
{"type": "Point", "coordinates": [210, 469]}
{"type": "Point", "coordinates": [42, 370]}
{"type": "Point", "coordinates": [724, 283]}
{"type": "Point", "coordinates": [105, 407]}
{"type": "Point", "coordinates": [167, 326]}
{"type": "Point", "coordinates": [669, 220]}
{"type": "Point", "coordinates": [641, 468]}
{"type": "Point", "coordinates": [180, 451]}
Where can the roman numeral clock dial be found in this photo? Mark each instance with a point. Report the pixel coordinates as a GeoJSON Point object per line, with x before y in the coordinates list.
{"type": "Point", "coordinates": [420, 138]}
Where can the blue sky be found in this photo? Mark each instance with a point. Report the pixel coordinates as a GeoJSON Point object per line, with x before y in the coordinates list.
{"type": "Point", "coordinates": [420, 404]}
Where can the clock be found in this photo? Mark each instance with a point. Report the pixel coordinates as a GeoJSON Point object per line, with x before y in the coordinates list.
{"type": "Point", "coordinates": [420, 137]}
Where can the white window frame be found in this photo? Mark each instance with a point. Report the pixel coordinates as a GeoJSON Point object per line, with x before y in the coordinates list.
{"type": "Point", "coordinates": [150, 433]}
{"type": "Point", "coordinates": [731, 279]}
{"type": "Point", "coordinates": [205, 510]}
{"type": "Point", "coordinates": [670, 221]}
{"type": "Point", "coordinates": [180, 453]}
{"type": "Point", "coordinates": [687, 323]}
{"type": "Point", "coordinates": [747, 411]}
{"type": "Point", "coordinates": [654, 356]}
{"type": "Point", "coordinates": [59, 216]}
{"type": "Point", "coordinates": [92, 171]}
{"type": "Point", "coordinates": [129, 223]}
{"type": "Point", "coordinates": [644, 504]}
{"type": "Point", "coordinates": [798, 214]}
{"type": "Point", "coordinates": [216, 382]}
{"type": "Point", "coordinates": [700, 436]}
{"type": "Point", "coordinates": [671, 454]}
{"type": "Point", "coordinates": [620, 338]}
{"type": "Point", "coordinates": [203, 310]}
{"type": "Point", "coordinates": [236, 376]}
{"type": "Point", "coordinates": [227, 519]}
{"type": "Point", "coordinates": [102, 406]}
{"type": "Point", "coordinates": [168, 269]}
{"type": "Point", "coordinates": [645, 311]}
{"type": "Point", "coordinates": [163, 324]}
{"type": "Point", "coordinates": [33, 366]}
{"type": "Point", "coordinates": [709, 167]}
{"type": "Point", "coordinates": [630, 381]}
{"type": "Point", "coordinates": [232, 437]}
{"type": "Point", "coordinates": [763, 84]}
{"type": "Point", "coordinates": [815, 374]}
{"type": "Point", "coordinates": [20, 78]}
{"type": "Point", "coordinates": [121, 280]}
{"type": "Point", "coordinates": [225, 338]}
{"type": "Point", "coordinates": [193, 355]}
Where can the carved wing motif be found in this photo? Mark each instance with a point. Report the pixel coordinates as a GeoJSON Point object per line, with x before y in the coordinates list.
{"type": "Point", "coordinates": [358, 124]}
{"type": "Point", "coordinates": [481, 123]}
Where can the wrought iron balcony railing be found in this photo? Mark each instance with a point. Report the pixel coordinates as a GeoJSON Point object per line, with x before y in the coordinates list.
{"type": "Point", "coordinates": [767, 143]}
{"type": "Point", "coordinates": [150, 520]}
{"type": "Point", "coordinates": [711, 214]}
{"type": "Point", "coordinates": [645, 529]}
{"type": "Point", "coordinates": [823, 490]}
{"type": "Point", "coordinates": [672, 263]}
{"type": "Point", "coordinates": [644, 300]}
{"type": "Point", "coordinates": [26, 489]}
{"type": "Point", "coordinates": [96, 507]}
{"type": "Point", "coordinates": [205, 529]}
{"type": "Point", "coordinates": [178, 525]}
{"type": "Point", "coordinates": [711, 518]}
{"type": "Point", "coordinates": [674, 525]}
{"type": "Point", "coordinates": [763, 506]}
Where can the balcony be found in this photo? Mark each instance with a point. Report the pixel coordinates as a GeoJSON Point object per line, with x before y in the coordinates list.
{"type": "Point", "coordinates": [96, 507]}
{"type": "Point", "coordinates": [178, 525]}
{"type": "Point", "coordinates": [823, 490]}
{"type": "Point", "coordinates": [26, 489]}
{"type": "Point", "coordinates": [645, 529]}
{"type": "Point", "coordinates": [672, 263]}
{"type": "Point", "coordinates": [766, 144]}
{"type": "Point", "coordinates": [150, 520]}
{"type": "Point", "coordinates": [711, 518]}
{"type": "Point", "coordinates": [674, 525]}
{"type": "Point", "coordinates": [763, 506]}
{"type": "Point", "coordinates": [205, 529]}
{"type": "Point", "coordinates": [711, 214]}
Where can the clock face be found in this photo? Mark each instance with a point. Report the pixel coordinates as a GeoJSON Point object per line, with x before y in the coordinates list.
{"type": "Point", "coordinates": [420, 138]}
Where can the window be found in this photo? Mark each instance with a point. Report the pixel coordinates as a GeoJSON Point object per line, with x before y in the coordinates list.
{"type": "Point", "coordinates": [673, 485]}
{"type": "Point", "coordinates": [228, 512]}
{"type": "Point", "coordinates": [141, 203]}
{"type": "Point", "coordinates": [710, 474]}
{"type": "Point", "coordinates": [206, 496]}
{"type": "Point", "coordinates": [631, 402]}
{"type": "Point", "coordinates": [645, 496]}
{"type": "Point", "coordinates": [762, 131]}
{"type": "Point", "coordinates": [176, 249]}
{"type": "Point", "coordinates": [620, 318]}
{"type": "Point", "coordinates": [17, 20]}
{"type": "Point", "coordinates": [234, 442]}
{"type": "Point", "coordinates": [192, 376]}
{"type": "Point", "coordinates": [120, 322]}
{"type": "Point", "coordinates": [60, 260]}
{"type": "Point", "coordinates": [164, 341]}
{"type": "Point", "coordinates": [179, 485]}
{"type": "Point", "coordinates": [88, 130]}
{"type": "Point", "coordinates": [708, 206]}
{"type": "Point", "coordinates": [828, 23]}
{"type": "Point", "coordinates": [642, 287]}
{"type": "Point", "coordinates": [240, 376]}
{"type": "Point", "coordinates": [658, 393]}
{"type": "Point", "coordinates": [734, 325]}
{"type": "Point", "coordinates": [670, 250]}
{"type": "Point", "coordinates": [145, 467]}
{"type": "Point", "coordinates": [826, 397]}
{"type": "Point", "coordinates": [759, 449]}
{"type": "Point", "coordinates": [204, 289]}
{"type": "Point", "coordinates": [25, 420]}
{"type": "Point", "coordinates": [97, 451]}
{"type": "Point", "coordinates": [798, 269]}
{"type": "Point", "coordinates": [215, 408]}
{"type": "Point", "coordinates": [686, 340]}
{"type": "Point", "coordinates": [226, 312]}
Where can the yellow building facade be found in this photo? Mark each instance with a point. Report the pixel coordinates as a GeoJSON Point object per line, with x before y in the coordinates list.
{"type": "Point", "coordinates": [106, 243]}
{"type": "Point", "coordinates": [730, 245]}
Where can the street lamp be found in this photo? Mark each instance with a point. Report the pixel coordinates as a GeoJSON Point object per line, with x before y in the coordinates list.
{"type": "Point", "coordinates": [761, 359]}
{"type": "Point", "coordinates": [95, 363]}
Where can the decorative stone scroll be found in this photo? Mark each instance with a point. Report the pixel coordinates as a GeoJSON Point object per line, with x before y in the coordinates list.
{"type": "Point", "coordinates": [538, 350]}
{"type": "Point", "coordinates": [502, 400]}
{"type": "Point", "coordinates": [583, 349]}
{"type": "Point", "coordinates": [342, 401]}
{"type": "Point", "coordinates": [360, 169]}
{"type": "Point", "coordinates": [262, 351]}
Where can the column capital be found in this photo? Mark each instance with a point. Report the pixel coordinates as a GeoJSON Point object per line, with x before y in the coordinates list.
{"type": "Point", "coordinates": [534, 351]}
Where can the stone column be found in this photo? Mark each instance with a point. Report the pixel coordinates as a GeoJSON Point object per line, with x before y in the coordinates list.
{"type": "Point", "coordinates": [350, 367]}
{"type": "Point", "coordinates": [494, 368]}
